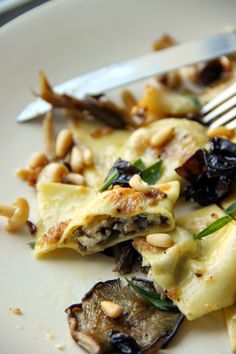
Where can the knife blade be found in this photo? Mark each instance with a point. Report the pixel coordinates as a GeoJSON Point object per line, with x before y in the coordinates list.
{"type": "Point", "coordinates": [137, 69]}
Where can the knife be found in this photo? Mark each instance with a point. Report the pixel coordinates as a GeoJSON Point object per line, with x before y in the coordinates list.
{"type": "Point", "coordinates": [137, 69]}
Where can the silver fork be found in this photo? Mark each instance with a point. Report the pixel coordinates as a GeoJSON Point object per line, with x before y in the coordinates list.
{"type": "Point", "coordinates": [221, 110]}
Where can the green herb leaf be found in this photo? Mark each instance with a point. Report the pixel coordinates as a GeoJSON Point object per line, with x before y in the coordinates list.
{"type": "Point", "coordinates": [153, 298]}
{"type": "Point", "coordinates": [194, 100]}
{"type": "Point", "coordinates": [109, 180]}
{"type": "Point", "coordinates": [215, 226]}
{"type": "Point", "coordinates": [140, 165]}
{"type": "Point", "coordinates": [231, 210]}
{"type": "Point", "coordinates": [152, 174]}
{"type": "Point", "coordinates": [32, 244]}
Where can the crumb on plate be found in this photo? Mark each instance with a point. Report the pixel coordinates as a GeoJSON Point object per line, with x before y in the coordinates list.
{"type": "Point", "coordinates": [50, 336]}
{"type": "Point", "coordinates": [19, 327]}
{"type": "Point", "coordinates": [16, 311]}
{"type": "Point", "coordinates": [59, 346]}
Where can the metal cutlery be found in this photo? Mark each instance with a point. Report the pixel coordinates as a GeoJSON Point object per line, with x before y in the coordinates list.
{"type": "Point", "coordinates": [137, 69]}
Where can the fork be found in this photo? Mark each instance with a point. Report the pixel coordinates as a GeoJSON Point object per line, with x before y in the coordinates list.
{"type": "Point", "coordinates": [221, 110]}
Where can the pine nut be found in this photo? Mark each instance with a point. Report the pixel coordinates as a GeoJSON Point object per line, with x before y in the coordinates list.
{"type": "Point", "coordinates": [88, 156]}
{"type": "Point", "coordinates": [164, 42]}
{"type": "Point", "coordinates": [160, 240]}
{"type": "Point", "coordinates": [76, 162]}
{"type": "Point", "coordinates": [49, 136]}
{"type": "Point", "coordinates": [23, 173]}
{"type": "Point", "coordinates": [139, 140]}
{"type": "Point", "coordinates": [53, 172]}
{"type": "Point", "coordinates": [64, 142]}
{"type": "Point", "coordinates": [162, 137]}
{"type": "Point", "coordinates": [137, 183]}
{"type": "Point", "coordinates": [38, 159]}
{"type": "Point", "coordinates": [221, 131]}
{"type": "Point", "coordinates": [128, 99]}
{"type": "Point", "coordinates": [173, 79]}
{"type": "Point", "coordinates": [111, 309]}
{"type": "Point", "coordinates": [74, 178]}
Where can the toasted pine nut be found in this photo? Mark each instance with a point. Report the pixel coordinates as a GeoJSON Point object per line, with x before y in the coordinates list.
{"type": "Point", "coordinates": [23, 173]}
{"type": "Point", "coordinates": [139, 140]}
{"type": "Point", "coordinates": [88, 156]}
{"type": "Point", "coordinates": [74, 178]}
{"type": "Point", "coordinates": [38, 159]}
{"type": "Point", "coordinates": [160, 240]}
{"type": "Point", "coordinates": [173, 79]}
{"type": "Point", "coordinates": [111, 309]}
{"type": "Point", "coordinates": [76, 162]}
{"type": "Point", "coordinates": [128, 99]}
{"type": "Point", "coordinates": [164, 42]}
{"type": "Point", "coordinates": [221, 131]}
{"type": "Point", "coordinates": [64, 142]}
{"type": "Point", "coordinates": [49, 136]}
{"type": "Point", "coordinates": [137, 183]}
{"type": "Point", "coordinates": [162, 137]}
{"type": "Point", "coordinates": [53, 172]}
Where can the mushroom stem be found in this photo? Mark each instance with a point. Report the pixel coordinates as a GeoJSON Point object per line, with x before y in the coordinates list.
{"type": "Point", "coordinates": [17, 214]}
{"type": "Point", "coordinates": [7, 211]}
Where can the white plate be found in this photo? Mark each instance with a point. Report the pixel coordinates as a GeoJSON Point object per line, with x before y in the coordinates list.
{"type": "Point", "coordinates": [6, 5]}
{"type": "Point", "coordinates": [66, 38]}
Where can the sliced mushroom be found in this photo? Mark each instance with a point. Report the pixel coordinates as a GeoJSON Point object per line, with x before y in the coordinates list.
{"type": "Point", "coordinates": [98, 106]}
{"type": "Point", "coordinates": [142, 328]}
{"type": "Point", "coordinates": [125, 257]}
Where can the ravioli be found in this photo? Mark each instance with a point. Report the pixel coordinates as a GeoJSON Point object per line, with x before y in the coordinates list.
{"type": "Point", "coordinates": [113, 216]}
{"type": "Point", "coordinates": [197, 275]}
{"type": "Point", "coordinates": [105, 148]}
{"type": "Point", "coordinates": [58, 203]}
{"type": "Point", "coordinates": [226, 202]}
{"type": "Point", "coordinates": [188, 137]}
{"type": "Point", "coordinates": [230, 312]}
{"type": "Point", "coordinates": [230, 318]}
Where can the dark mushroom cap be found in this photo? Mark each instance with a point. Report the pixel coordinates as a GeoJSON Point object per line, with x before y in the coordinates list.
{"type": "Point", "coordinates": [210, 174]}
{"type": "Point", "coordinates": [141, 329]}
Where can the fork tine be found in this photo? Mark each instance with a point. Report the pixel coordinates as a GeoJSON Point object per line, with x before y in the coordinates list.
{"type": "Point", "coordinates": [232, 125]}
{"type": "Point", "coordinates": [225, 118]}
{"type": "Point", "coordinates": [224, 107]}
{"type": "Point", "coordinates": [230, 91]}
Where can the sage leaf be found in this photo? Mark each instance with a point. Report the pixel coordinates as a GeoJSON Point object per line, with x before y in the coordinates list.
{"type": "Point", "coordinates": [140, 165]}
{"type": "Point", "coordinates": [114, 175]}
{"type": "Point", "coordinates": [152, 173]}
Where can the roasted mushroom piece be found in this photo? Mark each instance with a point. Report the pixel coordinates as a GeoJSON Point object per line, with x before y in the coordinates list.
{"type": "Point", "coordinates": [97, 105]}
{"type": "Point", "coordinates": [142, 328]}
{"type": "Point", "coordinates": [125, 257]}
{"type": "Point", "coordinates": [210, 174]}
{"type": "Point", "coordinates": [125, 172]}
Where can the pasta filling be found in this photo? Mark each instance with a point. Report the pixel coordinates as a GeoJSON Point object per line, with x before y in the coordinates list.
{"type": "Point", "coordinates": [103, 227]}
